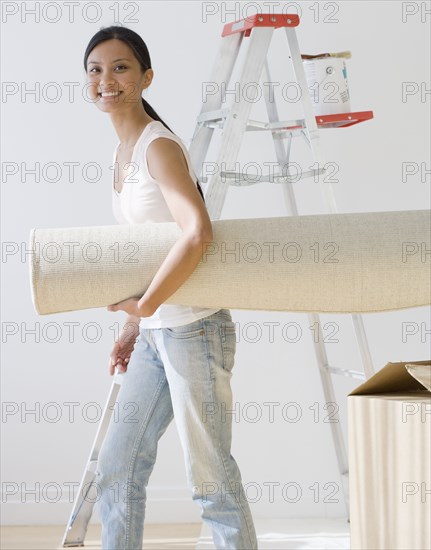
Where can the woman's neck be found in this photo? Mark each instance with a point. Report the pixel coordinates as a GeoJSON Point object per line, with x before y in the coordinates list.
{"type": "Point", "coordinates": [129, 126]}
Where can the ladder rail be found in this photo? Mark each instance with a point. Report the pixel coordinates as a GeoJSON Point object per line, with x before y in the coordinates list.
{"type": "Point", "coordinates": [282, 154]}
{"type": "Point", "coordinates": [236, 121]}
{"type": "Point", "coordinates": [364, 347]}
{"type": "Point", "coordinates": [312, 131]}
{"type": "Point", "coordinates": [82, 509]}
{"type": "Point", "coordinates": [314, 319]}
{"type": "Point", "coordinates": [222, 72]}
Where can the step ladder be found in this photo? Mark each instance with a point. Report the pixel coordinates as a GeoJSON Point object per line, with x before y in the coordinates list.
{"type": "Point", "coordinates": [234, 122]}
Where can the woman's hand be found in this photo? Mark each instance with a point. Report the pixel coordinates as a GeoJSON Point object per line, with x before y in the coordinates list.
{"type": "Point", "coordinates": [123, 347]}
{"type": "Point", "coordinates": [133, 306]}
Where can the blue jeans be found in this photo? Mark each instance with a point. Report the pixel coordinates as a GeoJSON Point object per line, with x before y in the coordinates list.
{"type": "Point", "coordinates": [184, 372]}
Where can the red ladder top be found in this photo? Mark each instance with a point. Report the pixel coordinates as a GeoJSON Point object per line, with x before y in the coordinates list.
{"type": "Point", "coordinates": [275, 20]}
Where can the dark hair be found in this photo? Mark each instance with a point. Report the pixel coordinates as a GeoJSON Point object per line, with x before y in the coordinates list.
{"type": "Point", "coordinates": [140, 50]}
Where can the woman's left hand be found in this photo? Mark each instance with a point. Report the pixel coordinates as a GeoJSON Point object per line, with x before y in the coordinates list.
{"type": "Point", "coordinates": [132, 307]}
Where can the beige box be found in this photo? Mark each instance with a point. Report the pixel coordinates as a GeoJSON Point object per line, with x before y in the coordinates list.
{"type": "Point", "coordinates": [389, 441]}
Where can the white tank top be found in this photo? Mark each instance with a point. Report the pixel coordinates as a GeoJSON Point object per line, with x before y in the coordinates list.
{"type": "Point", "coordinates": [141, 201]}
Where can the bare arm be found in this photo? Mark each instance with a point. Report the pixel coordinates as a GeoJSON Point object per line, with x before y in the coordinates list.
{"type": "Point", "coordinates": [167, 165]}
{"type": "Point", "coordinates": [133, 320]}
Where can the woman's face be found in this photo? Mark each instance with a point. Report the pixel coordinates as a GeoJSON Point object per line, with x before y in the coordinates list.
{"type": "Point", "coordinates": [113, 69]}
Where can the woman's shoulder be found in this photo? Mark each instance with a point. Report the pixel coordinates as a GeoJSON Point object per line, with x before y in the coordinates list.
{"type": "Point", "coordinates": [157, 129]}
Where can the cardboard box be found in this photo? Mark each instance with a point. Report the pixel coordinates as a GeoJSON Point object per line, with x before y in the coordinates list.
{"type": "Point", "coordinates": [389, 441]}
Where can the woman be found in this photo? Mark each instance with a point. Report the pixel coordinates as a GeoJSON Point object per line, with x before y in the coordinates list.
{"type": "Point", "coordinates": [177, 360]}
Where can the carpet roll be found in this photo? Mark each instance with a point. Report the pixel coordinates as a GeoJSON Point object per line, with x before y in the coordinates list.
{"type": "Point", "coordinates": [325, 263]}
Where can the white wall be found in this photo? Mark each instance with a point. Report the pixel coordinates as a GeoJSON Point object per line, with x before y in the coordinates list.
{"type": "Point", "coordinates": [385, 53]}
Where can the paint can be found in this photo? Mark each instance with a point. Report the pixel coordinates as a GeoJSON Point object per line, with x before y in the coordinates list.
{"type": "Point", "coordinates": [327, 85]}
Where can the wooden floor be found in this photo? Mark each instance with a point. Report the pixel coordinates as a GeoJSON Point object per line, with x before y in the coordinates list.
{"type": "Point", "coordinates": [181, 536]}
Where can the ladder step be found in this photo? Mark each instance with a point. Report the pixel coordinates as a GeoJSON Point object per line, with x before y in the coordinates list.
{"type": "Point", "coordinates": [340, 120]}
{"type": "Point", "coordinates": [213, 116]}
{"type": "Point", "coordinates": [280, 130]}
{"type": "Point", "coordinates": [220, 115]}
{"type": "Point", "coordinates": [242, 179]}
{"type": "Point", "coordinates": [275, 20]}
{"type": "Point", "coordinates": [343, 120]}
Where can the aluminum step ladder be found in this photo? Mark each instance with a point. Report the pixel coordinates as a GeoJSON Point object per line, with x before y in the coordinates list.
{"type": "Point", "coordinates": [234, 122]}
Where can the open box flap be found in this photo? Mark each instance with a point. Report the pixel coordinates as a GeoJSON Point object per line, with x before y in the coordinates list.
{"type": "Point", "coordinates": [422, 373]}
{"type": "Point", "coordinates": [396, 377]}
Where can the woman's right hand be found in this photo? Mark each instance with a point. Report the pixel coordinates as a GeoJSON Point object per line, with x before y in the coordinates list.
{"type": "Point", "coordinates": [123, 347]}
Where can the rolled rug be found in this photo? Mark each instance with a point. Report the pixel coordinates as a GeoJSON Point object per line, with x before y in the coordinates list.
{"type": "Point", "coordinates": [325, 263]}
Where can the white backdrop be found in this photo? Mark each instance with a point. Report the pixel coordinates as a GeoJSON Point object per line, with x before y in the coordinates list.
{"type": "Point", "coordinates": [55, 368]}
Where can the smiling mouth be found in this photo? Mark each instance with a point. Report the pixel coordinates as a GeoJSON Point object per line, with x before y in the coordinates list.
{"type": "Point", "coordinates": [109, 94]}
